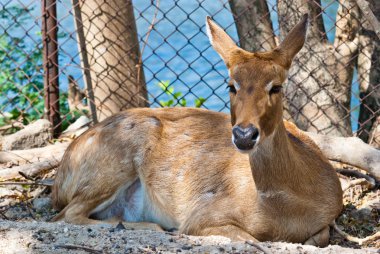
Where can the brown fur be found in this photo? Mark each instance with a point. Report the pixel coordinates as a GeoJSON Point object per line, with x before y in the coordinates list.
{"type": "Point", "coordinates": [180, 166]}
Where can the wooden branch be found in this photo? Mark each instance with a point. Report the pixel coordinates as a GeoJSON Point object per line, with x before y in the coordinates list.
{"type": "Point", "coordinates": [352, 151]}
{"type": "Point", "coordinates": [354, 239]}
{"type": "Point", "coordinates": [357, 174]}
{"type": "Point", "coordinates": [259, 247]}
{"type": "Point", "coordinates": [28, 183]}
{"type": "Point", "coordinates": [78, 247]}
{"type": "Point", "coordinates": [29, 169]}
{"type": "Point", "coordinates": [369, 15]}
{"type": "Point", "coordinates": [84, 58]}
{"type": "Point", "coordinates": [352, 183]}
{"type": "Point", "coordinates": [34, 155]}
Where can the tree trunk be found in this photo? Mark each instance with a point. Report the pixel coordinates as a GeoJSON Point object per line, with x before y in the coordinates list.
{"type": "Point", "coordinates": [318, 90]}
{"type": "Point", "coordinates": [369, 79]}
{"type": "Point", "coordinates": [253, 24]}
{"type": "Point", "coordinates": [319, 85]}
{"type": "Point", "coordinates": [113, 53]}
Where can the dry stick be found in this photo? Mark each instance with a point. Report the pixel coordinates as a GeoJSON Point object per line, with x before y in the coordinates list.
{"type": "Point", "coordinates": [29, 169]}
{"type": "Point", "coordinates": [152, 23]}
{"type": "Point", "coordinates": [78, 247]}
{"type": "Point", "coordinates": [26, 183]}
{"type": "Point", "coordinates": [84, 58]}
{"type": "Point", "coordinates": [3, 215]}
{"type": "Point", "coordinates": [27, 177]}
{"type": "Point", "coordinates": [368, 14]}
{"type": "Point", "coordinates": [257, 246]}
{"type": "Point", "coordinates": [33, 155]}
{"type": "Point", "coordinates": [351, 183]}
{"type": "Point", "coordinates": [354, 239]}
{"type": "Point", "coordinates": [357, 174]}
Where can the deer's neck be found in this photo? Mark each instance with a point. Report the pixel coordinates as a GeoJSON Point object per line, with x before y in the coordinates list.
{"type": "Point", "coordinates": [272, 161]}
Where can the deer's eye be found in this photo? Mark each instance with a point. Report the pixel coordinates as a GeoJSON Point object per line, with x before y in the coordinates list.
{"type": "Point", "coordinates": [275, 89]}
{"type": "Point", "coordinates": [232, 89]}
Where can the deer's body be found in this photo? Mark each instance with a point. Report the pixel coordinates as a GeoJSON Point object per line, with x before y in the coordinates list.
{"type": "Point", "coordinates": [179, 169]}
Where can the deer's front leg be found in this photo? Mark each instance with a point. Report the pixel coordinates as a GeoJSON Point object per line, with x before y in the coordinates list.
{"type": "Point", "coordinates": [229, 231]}
{"type": "Point", "coordinates": [320, 239]}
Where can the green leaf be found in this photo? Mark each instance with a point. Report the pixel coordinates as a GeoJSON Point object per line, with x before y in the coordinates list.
{"type": "Point", "coordinates": [182, 102]}
{"type": "Point", "coordinates": [199, 102]}
{"type": "Point", "coordinates": [177, 95]}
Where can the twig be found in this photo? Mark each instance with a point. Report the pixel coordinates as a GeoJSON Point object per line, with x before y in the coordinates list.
{"type": "Point", "coordinates": [27, 183]}
{"type": "Point", "coordinates": [152, 23]}
{"type": "Point", "coordinates": [27, 177]}
{"type": "Point", "coordinates": [354, 239]}
{"type": "Point", "coordinates": [3, 215]}
{"type": "Point", "coordinates": [78, 247]}
{"type": "Point", "coordinates": [351, 183]}
{"type": "Point", "coordinates": [84, 59]}
{"type": "Point", "coordinates": [259, 247]}
{"type": "Point", "coordinates": [30, 169]}
{"type": "Point", "coordinates": [371, 182]}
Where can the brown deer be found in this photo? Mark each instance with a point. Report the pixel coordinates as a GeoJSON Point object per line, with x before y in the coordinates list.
{"type": "Point", "coordinates": [177, 167]}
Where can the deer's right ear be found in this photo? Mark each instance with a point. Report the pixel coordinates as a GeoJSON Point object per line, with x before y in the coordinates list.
{"type": "Point", "coordinates": [220, 41]}
{"type": "Point", "coordinates": [293, 42]}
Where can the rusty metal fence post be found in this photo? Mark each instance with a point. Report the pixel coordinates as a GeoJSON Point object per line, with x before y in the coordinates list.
{"type": "Point", "coordinates": [50, 64]}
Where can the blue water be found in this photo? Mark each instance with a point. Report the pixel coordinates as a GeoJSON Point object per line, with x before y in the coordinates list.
{"type": "Point", "coordinates": [178, 50]}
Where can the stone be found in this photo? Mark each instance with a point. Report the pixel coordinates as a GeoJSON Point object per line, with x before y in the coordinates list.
{"type": "Point", "coordinates": [34, 135]}
{"type": "Point", "coordinates": [42, 204]}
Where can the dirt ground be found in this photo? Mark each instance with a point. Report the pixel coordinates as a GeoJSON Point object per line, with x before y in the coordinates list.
{"type": "Point", "coordinates": [26, 209]}
{"type": "Point", "coordinates": [42, 237]}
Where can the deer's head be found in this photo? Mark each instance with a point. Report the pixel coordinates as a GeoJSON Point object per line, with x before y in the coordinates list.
{"type": "Point", "coordinates": [256, 81]}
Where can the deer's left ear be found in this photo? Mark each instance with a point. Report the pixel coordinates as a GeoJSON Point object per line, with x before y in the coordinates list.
{"type": "Point", "coordinates": [293, 42]}
{"type": "Point", "coordinates": [220, 41]}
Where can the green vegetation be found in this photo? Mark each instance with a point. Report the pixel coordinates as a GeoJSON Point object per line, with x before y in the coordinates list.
{"type": "Point", "coordinates": [21, 70]}
{"type": "Point", "coordinates": [176, 98]}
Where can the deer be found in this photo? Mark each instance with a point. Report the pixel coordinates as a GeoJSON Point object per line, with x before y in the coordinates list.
{"type": "Point", "coordinates": [177, 168]}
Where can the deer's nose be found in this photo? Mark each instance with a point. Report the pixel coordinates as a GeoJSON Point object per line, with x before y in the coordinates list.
{"type": "Point", "coordinates": [245, 138]}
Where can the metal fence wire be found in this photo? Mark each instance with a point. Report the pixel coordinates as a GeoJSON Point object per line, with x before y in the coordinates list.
{"type": "Point", "coordinates": [63, 59]}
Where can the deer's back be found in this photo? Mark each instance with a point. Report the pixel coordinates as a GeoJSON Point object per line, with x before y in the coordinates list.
{"type": "Point", "coordinates": [183, 156]}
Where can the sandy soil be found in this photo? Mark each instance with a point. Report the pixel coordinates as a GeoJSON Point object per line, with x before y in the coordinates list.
{"type": "Point", "coordinates": [43, 237]}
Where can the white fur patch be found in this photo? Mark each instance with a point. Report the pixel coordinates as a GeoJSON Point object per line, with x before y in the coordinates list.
{"type": "Point", "coordinates": [236, 85]}
{"type": "Point", "coordinates": [208, 196]}
{"type": "Point", "coordinates": [269, 86]}
{"type": "Point", "coordinates": [89, 141]}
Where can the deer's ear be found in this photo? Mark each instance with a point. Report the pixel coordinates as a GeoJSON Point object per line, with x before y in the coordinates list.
{"type": "Point", "coordinates": [220, 41]}
{"type": "Point", "coordinates": [293, 42]}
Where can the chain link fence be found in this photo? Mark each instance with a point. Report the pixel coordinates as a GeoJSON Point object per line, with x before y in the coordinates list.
{"type": "Point", "coordinates": [63, 59]}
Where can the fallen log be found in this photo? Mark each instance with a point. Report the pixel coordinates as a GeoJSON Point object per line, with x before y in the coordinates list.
{"type": "Point", "coordinates": [352, 151]}
{"type": "Point", "coordinates": [34, 161]}
{"type": "Point", "coordinates": [34, 155]}
{"type": "Point", "coordinates": [32, 170]}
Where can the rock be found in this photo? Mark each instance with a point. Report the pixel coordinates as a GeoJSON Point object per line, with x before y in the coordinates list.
{"type": "Point", "coordinates": [42, 204]}
{"type": "Point", "coordinates": [36, 134]}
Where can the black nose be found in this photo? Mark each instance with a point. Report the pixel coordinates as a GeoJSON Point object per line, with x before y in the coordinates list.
{"type": "Point", "coordinates": [245, 139]}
